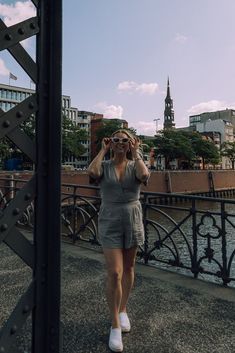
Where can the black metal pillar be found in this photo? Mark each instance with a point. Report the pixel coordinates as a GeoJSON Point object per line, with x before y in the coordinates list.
{"type": "Point", "coordinates": [46, 314]}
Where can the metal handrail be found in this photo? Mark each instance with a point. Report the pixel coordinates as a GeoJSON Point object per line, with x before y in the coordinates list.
{"type": "Point", "coordinates": [180, 230]}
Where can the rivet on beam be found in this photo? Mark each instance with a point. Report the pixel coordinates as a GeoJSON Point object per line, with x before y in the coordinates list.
{"type": "Point", "coordinates": [6, 123]}
{"type": "Point", "coordinates": [4, 227]}
{"type": "Point", "coordinates": [21, 30]}
{"type": "Point", "coordinates": [32, 25]}
{"type": "Point", "coordinates": [8, 36]}
{"type": "Point", "coordinates": [2, 349]}
{"type": "Point", "coordinates": [19, 114]}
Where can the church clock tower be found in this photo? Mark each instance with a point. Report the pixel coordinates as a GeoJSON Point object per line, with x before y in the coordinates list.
{"type": "Point", "coordinates": [168, 112]}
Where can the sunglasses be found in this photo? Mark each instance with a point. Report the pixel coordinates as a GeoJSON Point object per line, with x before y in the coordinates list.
{"type": "Point", "coordinates": [119, 139]}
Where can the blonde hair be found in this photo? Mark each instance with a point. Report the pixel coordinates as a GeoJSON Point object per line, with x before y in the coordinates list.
{"type": "Point", "coordinates": [131, 136]}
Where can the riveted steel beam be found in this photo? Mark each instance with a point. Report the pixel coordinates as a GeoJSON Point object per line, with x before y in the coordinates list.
{"type": "Point", "coordinates": [43, 296]}
{"type": "Point", "coordinates": [46, 314]}
{"type": "Point", "coordinates": [22, 141]}
{"type": "Point", "coordinates": [35, 2]}
{"type": "Point", "coordinates": [18, 32]}
{"type": "Point", "coordinates": [22, 57]}
{"type": "Point", "coordinates": [16, 207]}
{"type": "Point", "coordinates": [21, 246]}
{"type": "Point", "coordinates": [16, 320]}
{"type": "Point", "coordinates": [18, 115]}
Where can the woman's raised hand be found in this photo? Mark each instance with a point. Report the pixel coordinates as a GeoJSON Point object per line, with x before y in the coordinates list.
{"type": "Point", "coordinates": [134, 144]}
{"type": "Point", "coordinates": [106, 142]}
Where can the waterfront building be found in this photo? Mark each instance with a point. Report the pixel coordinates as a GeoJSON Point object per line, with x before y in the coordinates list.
{"type": "Point", "coordinates": [226, 114]}
{"type": "Point", "coordinates": [219, 131]}
{"type": "Point", "coordinates": [12, 95]}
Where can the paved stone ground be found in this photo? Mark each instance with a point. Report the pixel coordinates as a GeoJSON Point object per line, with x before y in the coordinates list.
{"type": "Point", "coordinates": [169, 313]}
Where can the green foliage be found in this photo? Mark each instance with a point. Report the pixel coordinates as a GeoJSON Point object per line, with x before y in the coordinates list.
{"type": "Point", "coordinates": [29, 126]}
{"type": "Point", "coordinates": [228, 150]}
{"type": "Point", "coordinates": [72, 137]}
{"type": "Point", "coordinates": [4, 149]}
{"type": "Point", "coordinates": [188, 146]}
{"type": "Point", "coordinates": [173, 144]}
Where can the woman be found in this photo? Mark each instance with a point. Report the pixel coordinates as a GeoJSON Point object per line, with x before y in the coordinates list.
{"type": "Point", "coordinates": [120, 223]}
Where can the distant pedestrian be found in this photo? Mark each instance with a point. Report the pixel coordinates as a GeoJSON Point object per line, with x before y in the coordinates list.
{"type": "Point", "coordinates": [120, 222]}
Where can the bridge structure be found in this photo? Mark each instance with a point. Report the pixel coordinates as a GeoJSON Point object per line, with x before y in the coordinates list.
{"type": "Point", "coordinates": [41, 300]}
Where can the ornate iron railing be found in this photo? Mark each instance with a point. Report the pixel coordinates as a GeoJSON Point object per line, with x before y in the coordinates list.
{"type": "Point", "coordinates": [193, 234]}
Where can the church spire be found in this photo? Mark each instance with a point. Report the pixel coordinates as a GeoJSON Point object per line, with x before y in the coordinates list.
{"type": "Point", "coordinates": [168, 88]}
{"type": "Point", "coordinates": [168, 112]}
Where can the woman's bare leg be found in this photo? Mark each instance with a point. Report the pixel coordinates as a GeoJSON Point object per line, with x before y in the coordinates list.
{"type": "Point", "coordinates": [128, 275]}
{"type": "Point", "coordinates": [114, 263]}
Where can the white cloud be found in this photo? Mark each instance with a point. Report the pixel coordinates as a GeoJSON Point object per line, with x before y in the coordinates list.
{"type": "Point", "coordinates": [3, 69]}
{"type": "Point", "coordinates": [17, 12]}
{"type": "Point", "coordinates": [143, 88]}
{"type": "Point", "coordinates": [147, 88]}
{"type": "Point", "coordinates": [180, 38]}
{"type": "Point", "coordinates": [210, 106]}
{"type": "Point", "coordinates": [110, 111]}
{"type": "Point", "coordinates": [127, 86]}
{"type": "Point", "coordinates": [145, 128]}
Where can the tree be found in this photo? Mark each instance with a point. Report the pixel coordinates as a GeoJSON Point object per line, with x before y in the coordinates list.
{"type": "Point", "coordinates": [185, 145]}
{"type": "Point", "coordinates": [72, 137]}
{"type": "Point", "coordinates": [228, 150]}
{"type": "Point", "coordinates": [205, 149]}
{"type": "Point", "coordinates": [173, 144]}
{"type": "Point", "coordinates": [4, 149]}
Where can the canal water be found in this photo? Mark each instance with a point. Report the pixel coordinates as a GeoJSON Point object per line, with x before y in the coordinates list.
{"type": "Point", "coordinates": [174, 227]}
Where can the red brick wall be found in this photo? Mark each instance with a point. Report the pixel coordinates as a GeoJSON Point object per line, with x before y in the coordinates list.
{"type": "Point", "coordinates": [178, 181]}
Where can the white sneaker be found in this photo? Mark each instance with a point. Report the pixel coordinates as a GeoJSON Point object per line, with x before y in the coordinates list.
{"type": "Point", "coordinates": [115, 340]}
{"type": "Point", "coordinates": [124, 322]}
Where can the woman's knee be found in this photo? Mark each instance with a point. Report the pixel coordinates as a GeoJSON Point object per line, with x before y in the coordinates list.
{"type": "Point", "coordinates": [115, 274]}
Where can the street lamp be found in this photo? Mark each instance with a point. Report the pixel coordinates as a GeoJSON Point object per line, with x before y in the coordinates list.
{"type": "Point", "coordinates": [156, 124]}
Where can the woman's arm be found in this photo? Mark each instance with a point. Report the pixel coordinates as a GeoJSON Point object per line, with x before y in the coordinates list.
{"type": "Point", "coordinates": [95, 167]}
{"type": "Point", "coordinates": [142, 172]}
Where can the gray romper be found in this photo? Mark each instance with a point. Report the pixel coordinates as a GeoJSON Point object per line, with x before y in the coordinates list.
{"type": "Point", "coordinates": [120, 223]}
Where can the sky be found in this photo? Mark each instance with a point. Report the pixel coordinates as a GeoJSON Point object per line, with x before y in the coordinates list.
{"type": "Point", "coordinates": [118, 54]}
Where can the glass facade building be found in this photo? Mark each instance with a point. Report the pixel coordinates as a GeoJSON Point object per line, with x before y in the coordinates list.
{"type": "Point", "coordinates": [12, 95]}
